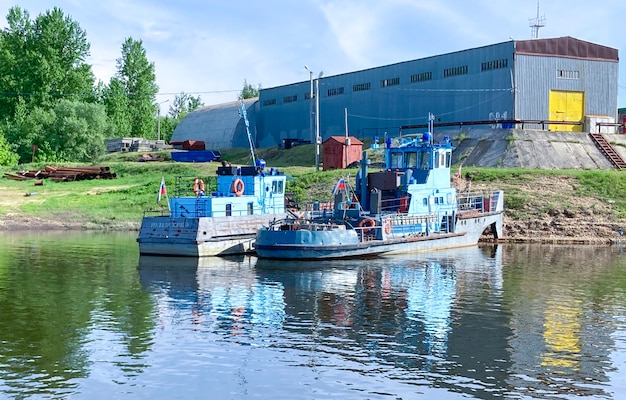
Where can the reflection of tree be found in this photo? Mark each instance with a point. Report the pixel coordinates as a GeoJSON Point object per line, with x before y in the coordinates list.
{"type": "Point", "coordinates": [50, 299]}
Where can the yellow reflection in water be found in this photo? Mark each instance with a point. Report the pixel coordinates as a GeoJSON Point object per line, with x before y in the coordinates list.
{"type": "Point", "coordinates": [562, 334]}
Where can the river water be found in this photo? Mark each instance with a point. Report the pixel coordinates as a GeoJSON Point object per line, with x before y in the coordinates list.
{"type": "Point", "coordinates": [84, 317]}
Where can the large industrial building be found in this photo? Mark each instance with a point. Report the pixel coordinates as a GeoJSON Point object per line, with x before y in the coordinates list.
{"type": "Point", "coordinates": [560, 84]}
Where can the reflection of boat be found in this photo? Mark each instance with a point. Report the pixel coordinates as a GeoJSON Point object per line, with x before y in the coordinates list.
{"type": "Point", "coordinates": [223, 221]}
{"type": "Point", "coordinates": [216, 290]}
{"type": "Point", "coordinates": [192, 273]}
{"type": "Point", "coordinates": [400, 312]}
{"type": "Point", "coordinates": [410, 207]}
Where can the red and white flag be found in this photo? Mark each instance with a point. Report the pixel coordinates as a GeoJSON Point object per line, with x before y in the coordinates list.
{"type": "Point", "coordinates": [341, 185]}
{"type": "Point", "coordinates": [162, 190]}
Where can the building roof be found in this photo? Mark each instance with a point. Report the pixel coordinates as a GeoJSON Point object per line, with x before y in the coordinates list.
{"type": "Point", "coordinates": [342, 140]}
{"type": "Point", "coordinates": [220, 126]}
{"type": "Point", "coordinates": [566, 46]}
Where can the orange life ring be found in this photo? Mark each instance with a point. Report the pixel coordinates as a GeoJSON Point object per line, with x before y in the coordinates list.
{"type": "Point", "coordinates": [238, 187]}
{"type": "Point", "coordinates": [388, 226]}
{"type": "Point", "coordinates": [198, 186]}
{"type": "Point", "coordinates": [367, 224]}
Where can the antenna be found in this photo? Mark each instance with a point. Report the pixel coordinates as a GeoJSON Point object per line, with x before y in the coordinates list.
{"type": "Point", "coordinates": [536, 23]}
{"type": "Point", "coordinates": [244, 115]}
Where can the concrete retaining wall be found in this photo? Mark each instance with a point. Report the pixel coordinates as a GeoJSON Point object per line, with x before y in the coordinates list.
{"type": "Point", "coordinates": [523, 148]}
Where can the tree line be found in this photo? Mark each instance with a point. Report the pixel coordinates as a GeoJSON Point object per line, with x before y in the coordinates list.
{"type": "Point", "coordinates": [51, 107]}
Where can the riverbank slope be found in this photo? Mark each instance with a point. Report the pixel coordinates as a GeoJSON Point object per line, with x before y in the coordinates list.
{"type": "Point", "coordinates": [551, 210]}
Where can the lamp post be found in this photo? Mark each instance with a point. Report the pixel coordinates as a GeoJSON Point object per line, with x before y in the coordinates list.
{"type": "Point", "coordinates": [310, 102]}
{"type": "Point", "coordinates": [317, 121]}
{"type": "Point", "coordinates": [159, 119]}
{"type": "Point", "coordinates": [317, 113]}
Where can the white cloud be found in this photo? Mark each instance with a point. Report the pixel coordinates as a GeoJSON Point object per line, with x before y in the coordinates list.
{"type": "Point", "coordinates": [210, 47]}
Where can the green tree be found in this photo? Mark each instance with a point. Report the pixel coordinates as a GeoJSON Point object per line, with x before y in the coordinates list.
{"type": "Point", "coordinates": [78, 132]}
{"type": "Point", "coordinates": [248, 91]}
{"type": "Point", "coordinates": [116, 103]}
{"type": "Point", "coordinates": [71, 131]}
{"type": "Point", "coordinates": [28, 128]}
{"type": "Point", "coordinates": [183, 104]}
{"type": "Point", "coordinates": [7, 157]}
{"type": "Point", "coordinates": [136, 75]}
{"type": "Point", "coordinates": [168, 124]}
{"type": "Point", "coordinates": [42, 61]}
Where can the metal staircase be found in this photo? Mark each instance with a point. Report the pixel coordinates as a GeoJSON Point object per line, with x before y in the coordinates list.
{"type": "Point", "coordinates": [608, 150]}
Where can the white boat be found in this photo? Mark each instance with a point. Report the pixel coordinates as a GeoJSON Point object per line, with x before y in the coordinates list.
{"type": "Point", "coordinates": [409, 207]}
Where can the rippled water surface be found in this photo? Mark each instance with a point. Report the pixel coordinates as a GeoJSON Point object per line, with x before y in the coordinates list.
{"type": "Point", "coordinates": [84, 317]}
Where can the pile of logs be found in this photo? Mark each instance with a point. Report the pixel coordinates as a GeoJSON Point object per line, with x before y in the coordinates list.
{"type": "Point", "coordinates": [63, 174]}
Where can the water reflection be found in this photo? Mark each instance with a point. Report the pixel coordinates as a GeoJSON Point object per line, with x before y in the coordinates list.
{"type": "Point", "coordinates": [400, 313]}
{"type": "Point", "coordinates": [55, 290]}
{"type": "Point", "coordinates": [566, 304]}
{"type": "Point", "coordinates": [431, 320]}
{"type": "Point", "coordinates": [84, 317]}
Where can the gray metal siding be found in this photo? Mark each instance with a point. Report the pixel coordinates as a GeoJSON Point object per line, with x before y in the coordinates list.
{"type": "Point", "coordinates": [474, 95]}
{"type": "Point", "coordinates": [469, 92]}
{"type": "Point", "coordinates": [535, 76]}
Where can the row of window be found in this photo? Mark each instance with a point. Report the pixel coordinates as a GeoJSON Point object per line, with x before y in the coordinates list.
{"type": "Point", "coordinates": [424, 76]}
{"type": "Point", "coordinates": [290, 99]}
{"type": "Point", "coordinates": [415, 78]}
{"type": "Point", "coordinates": [495, 64]}
{"type": "Point", "coordinates": [454, 71]}
{"type": "Point", "coordinates": [566, 74]}
{"type": "Point", "coordinates": [335, 91]}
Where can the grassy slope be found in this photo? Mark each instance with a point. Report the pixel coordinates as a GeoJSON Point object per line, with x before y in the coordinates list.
{"type": "Point", "coordinates": [124, 199]}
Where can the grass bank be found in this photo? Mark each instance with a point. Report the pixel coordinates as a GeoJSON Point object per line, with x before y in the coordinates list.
{"type": "Point", "coordinates": [123, 200]}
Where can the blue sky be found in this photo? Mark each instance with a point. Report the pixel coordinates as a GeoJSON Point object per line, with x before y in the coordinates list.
{"type": "Point", "coordinates": [209, 47]}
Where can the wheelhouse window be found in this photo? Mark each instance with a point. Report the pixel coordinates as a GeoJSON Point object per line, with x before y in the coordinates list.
{"type": "Point", "coordinates": [396, 160]}
{"type": "Point", "coordinates": [277, 187]}
{"type": "Point", "coordinates": [424, 160]}
{"type": "Point", "coordinates": [410, 160]}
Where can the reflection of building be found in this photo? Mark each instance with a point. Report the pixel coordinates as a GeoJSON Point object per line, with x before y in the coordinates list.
{"type": "Point", "coordinates": [562, 334]}
{"type": "Point", "coordinates": [555, 341]}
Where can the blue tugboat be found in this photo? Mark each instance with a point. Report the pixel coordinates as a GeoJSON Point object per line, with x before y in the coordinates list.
{"type": "Point", "coordinates": [409, 207]}
{"type": "Point", "coordinates": [220, 221]}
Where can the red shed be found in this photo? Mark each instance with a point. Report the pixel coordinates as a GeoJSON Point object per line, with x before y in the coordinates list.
{"type": "Point", "coordinates": [338, 154]}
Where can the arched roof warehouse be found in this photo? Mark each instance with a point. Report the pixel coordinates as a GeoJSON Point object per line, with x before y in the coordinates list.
{"type": "Point", "coordinates": [219, 126]}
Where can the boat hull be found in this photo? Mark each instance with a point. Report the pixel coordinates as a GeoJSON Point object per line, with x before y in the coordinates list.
{"type": "Point", "coordinates": [201, 236]}
{"type": "Point", "coordinates": [468, 233]}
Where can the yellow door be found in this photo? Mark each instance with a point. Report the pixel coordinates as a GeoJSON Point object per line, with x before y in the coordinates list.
{"type": "Point", "coordinates": [567, 106]}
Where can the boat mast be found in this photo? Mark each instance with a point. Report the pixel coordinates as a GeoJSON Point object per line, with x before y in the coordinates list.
{"type": "Point", "coordinates": [243, 114]}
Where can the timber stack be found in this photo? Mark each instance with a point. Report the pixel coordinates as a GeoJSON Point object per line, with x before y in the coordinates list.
{"type": "Point", "coordinates": [64, 174]}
